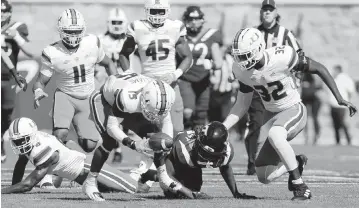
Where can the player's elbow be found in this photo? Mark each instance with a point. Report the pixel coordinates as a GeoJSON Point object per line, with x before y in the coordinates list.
{"type": "Point", "coordinates": [27, 187]}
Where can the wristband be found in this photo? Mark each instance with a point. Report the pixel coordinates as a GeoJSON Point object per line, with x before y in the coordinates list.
{"type": "Point", "coordinates": [178, 73]}
{"type": "Point", "coordinates": [20, 40]}
{"type": "Point", "coordinates": [127, 141]}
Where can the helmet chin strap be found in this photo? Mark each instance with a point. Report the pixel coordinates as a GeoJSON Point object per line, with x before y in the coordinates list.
{"type": "Point", "coordinates": [68, 46]}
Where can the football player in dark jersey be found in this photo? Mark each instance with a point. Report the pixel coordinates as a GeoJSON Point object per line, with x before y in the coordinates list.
{"type": "Point", "coordinates": [195, 84]}
{"type": "Point", "coordinates": [180, 170]}
{"type": "Point", "coordinates": [13, 39]}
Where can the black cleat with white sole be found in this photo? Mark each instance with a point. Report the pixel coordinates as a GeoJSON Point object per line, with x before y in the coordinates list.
{"type": "Point", "coordinates": [301, 192]}
{"type": "Point", "coordinates": [302, 161]}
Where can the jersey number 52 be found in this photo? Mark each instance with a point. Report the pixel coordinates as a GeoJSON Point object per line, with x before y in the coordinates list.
{"type": "Point", "coordinates": [157, 50]}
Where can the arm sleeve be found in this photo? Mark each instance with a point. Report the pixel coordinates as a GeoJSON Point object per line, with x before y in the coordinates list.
{"type": "Point", "coordinates": [131, 30]}
{"type": "Point", "coordinates": [47, 68]}
{"type": "Point", "coordinates": [23, 31]}
{"type": "Point", "coordinates": [101, 51]}
{"type": "Point", "coordinates": [167, 126]}
{"type": "Point", "coordinates": [218, 38]}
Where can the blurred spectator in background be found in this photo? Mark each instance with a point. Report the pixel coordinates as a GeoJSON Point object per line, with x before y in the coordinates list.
{"type": "Point", "coordinates": [274, 35]}
{"type": "Point", "coordinates": [346, 87]}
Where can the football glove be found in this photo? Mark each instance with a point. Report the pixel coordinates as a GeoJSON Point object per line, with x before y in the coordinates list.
{"type": "Point", "coordinates": [38, 95]}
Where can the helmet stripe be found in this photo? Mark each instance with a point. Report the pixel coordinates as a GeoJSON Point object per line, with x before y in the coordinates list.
{"type": "Point", "coordinates": [163, 97]}
{"type": "Point", "coordinates": [16, 126]}
{"type": "Point", "coordinates": [73, 16]}
{"type": "Point", "coordinates": [117, 12]}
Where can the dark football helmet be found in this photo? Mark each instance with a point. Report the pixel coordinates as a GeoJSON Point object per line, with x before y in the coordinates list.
{"type": "Point", "coordinates": [193, 19]}
{"type": "Point", "coordinates": [6, 11]}
{"type": "Point", "coordinates": [210, 146]}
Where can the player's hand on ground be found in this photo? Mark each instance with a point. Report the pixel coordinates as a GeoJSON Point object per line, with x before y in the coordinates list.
{"type": "Point", "coordinates": [38, 95]}
{"type": "Point", "coordinates": [350, 106]}
{"type": "Point", "coordinates": [244, 196]}
{"type": "Point", "coordinates": [168, 78]}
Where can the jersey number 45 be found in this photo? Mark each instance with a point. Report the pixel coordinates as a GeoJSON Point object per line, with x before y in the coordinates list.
{"type": "Point", "coordinates": [157, 50]}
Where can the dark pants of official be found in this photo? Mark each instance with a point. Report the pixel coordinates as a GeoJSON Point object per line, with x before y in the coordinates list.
{"type": "Point", "coordinates": [256, 112]}
{"type": "Point", "coordinates": [315, 104]}
{"type": "Point", "coordinates": [338, 116]}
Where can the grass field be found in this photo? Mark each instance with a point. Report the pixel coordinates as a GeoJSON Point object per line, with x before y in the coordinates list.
{"type": "Point", "coordinates": [332, 174]}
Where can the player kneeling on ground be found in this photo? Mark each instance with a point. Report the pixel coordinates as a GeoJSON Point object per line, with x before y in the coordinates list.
{"type": "Point", "coordinates": [50, 156]}
{"type": "Point", "coordinates": [135, 102]}
{"type": "Point", "coordinates": [180, 170]}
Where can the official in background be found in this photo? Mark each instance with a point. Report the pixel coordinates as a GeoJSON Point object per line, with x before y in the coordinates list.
{"type": "Point", "coordinates": [346, 87]}
{"type": "Point", "coordinates": [274, 35]}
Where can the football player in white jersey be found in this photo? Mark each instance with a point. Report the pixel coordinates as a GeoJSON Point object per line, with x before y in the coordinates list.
{"type": "Point", "coordinates": [112, 42]}
{"type": "Point", "coordinates": [271, 73]}
{"type": "Point", "coordinates": [158, 39]}
{"type": "Point", "coordinates": [72, 61]}
{"type": "Point", "coordinates": [50, 156]}
{"type": "Point", "coordinates": [136, 102]}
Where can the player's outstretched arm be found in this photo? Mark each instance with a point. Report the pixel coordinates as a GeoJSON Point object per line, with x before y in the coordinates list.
{"type": "Point", "coordinates": [311, 66]}
{"type": "Point", "coordinates": [228, 176]}
{"type": "Point", "coordinates": [19, 169]}
{"type": "Point", "coordinates": [38, 88]}
{"type": "Point", "coordinates": [244, 99]}
{"type": "Point", "coordinates": [127, 49]}
{"type": "Point", "coordinates": [34, 178]}
{"type": "Point", "coordinates": [108, 64]}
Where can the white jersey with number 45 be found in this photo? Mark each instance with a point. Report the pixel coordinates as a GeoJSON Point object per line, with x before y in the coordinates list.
{"type": "Point", "coordinates": [70, 162]}
{"type": "Point", "coordinates": [74, 71]}
{"type": "Point", "coordinates": [157, 46]}
{"type": "Point", "coordinates": [275, 81]}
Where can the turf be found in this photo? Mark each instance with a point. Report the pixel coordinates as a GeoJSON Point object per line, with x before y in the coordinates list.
{"type": "Point", "coordinates": [332, 174]}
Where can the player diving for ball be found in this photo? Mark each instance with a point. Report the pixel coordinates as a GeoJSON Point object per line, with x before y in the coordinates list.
{"type": "Point", "coordinates": [271, 73]}
{"type": "Point", "coordinates": [136, 102]}
{"type": "Point", "coordinates": [50, 156]}
{"type": "Point", "coordinates": [180, 171]}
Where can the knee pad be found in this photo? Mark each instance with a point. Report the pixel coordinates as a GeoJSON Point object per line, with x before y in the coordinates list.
{"type": "Point", "coordinates": [87, 145]}
{"type": "Point", "coordinates": [187, 113]}
{"type": "Point", "coordinates": [264, 173]}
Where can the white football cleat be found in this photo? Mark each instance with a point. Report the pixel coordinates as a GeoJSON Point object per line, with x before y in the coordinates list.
{"type": "Point", "coordinates": [90, 189]}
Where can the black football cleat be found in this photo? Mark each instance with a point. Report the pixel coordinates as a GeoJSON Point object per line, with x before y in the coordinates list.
{"type": "Point", "coordinates": [301, 192]}
{"type": "Point", "coordinates": [302, 161]}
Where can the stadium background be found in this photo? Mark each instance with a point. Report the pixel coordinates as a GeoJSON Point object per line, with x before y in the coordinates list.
{"type": "Point", "coordinates": [330, 31]}
{"type": "Point", "coordinates": [330, 34]}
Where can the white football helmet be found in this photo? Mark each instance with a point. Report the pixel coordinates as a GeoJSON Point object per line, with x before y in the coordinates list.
{"type": "Point", "coordinates": [117, 21]}
{"type": "Point", "coordinates": [157, 11]}
{"type": "Point", "coordinates": [71, 26]}
{"type": "Point", "coordinates": [157, 99]}
{"type": "Point", "coordinates": [248, 47]}
{"type": "Point", "coordinates": [22, 134]}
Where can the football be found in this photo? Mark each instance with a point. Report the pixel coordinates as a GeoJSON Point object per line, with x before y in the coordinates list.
{"type": "Point", "coordinates": [160, 142]}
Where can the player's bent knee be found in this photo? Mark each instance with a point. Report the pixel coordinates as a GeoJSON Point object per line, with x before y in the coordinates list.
{"type": "Point", "coordinates": [264, 173]}
{"type": "Point", "coordinates": [277, 132]}
{"type": "Point", "coordinates": [87, 145]}
{"type": "Point", "coordinates": [187, 113]}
